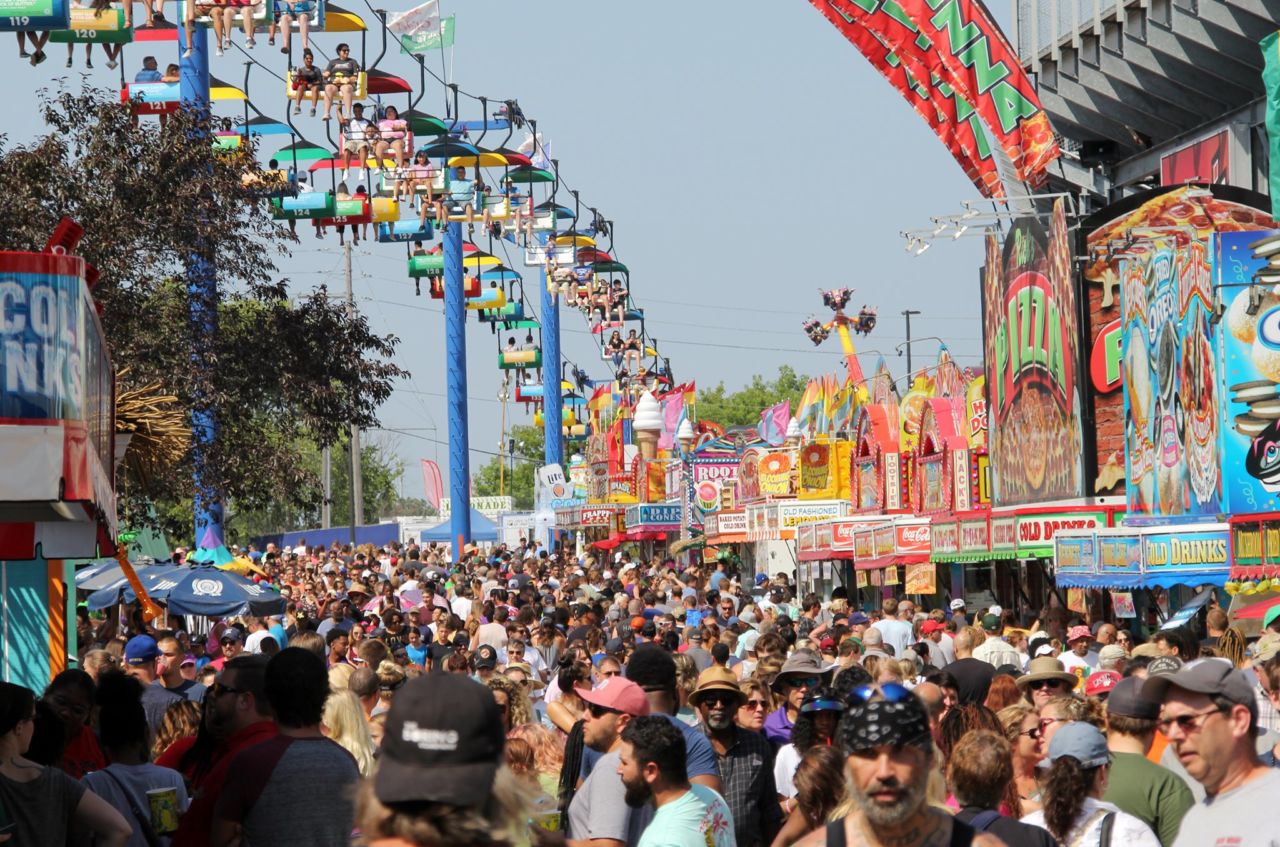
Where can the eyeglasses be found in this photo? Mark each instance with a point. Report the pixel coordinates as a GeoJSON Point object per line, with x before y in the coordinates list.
{"type": "Point", "coordinates": [1187, 724]}
{"type": "Point", "coordinates": [600, 711]}
{"type": "Point", "coordinates": [1034, 733]}
{"type": "Point", "coordinates": [1045, 723]}
{"type": "Point", "coordinates": [756, 704]}
{"type": "Point", "coordinates": [218, 689]}
{"type": "Point", "coordinates": [890, 691]}
{"type": "Point", "coordinates": [1045, 683]}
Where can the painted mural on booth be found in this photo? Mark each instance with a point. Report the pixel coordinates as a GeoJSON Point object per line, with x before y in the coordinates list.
{"type": "Point", "coordinates": [1245, 274]}
{"type": "Point", "coordinates": [1170, 376]}
{"type": "Point", "coordinates": [1032, 358]}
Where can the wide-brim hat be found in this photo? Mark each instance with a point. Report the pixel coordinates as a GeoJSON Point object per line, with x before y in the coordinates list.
{"type": "Point", "coordinates": [801, 663]}
{"type": "Point", "coordinates": [1045, 667]}
{"type": "Point", "coordinates": [716, 678]}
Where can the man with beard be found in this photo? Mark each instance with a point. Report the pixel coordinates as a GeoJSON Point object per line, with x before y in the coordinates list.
{"type": "Point", "coordinates": [889, 755]}
{"type": "Point", "coordinates": [599, 815]}
{"type": "Point", "coordinates": [745, 758]}
{"type": "Point", "coordinates": [238, 715]}
{"type": "Point", "coordinates": [651, 765]}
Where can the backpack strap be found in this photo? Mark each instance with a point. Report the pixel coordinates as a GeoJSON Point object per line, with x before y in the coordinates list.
{"type": "Point", "coordinates": [835, 834]}
{"type": "Point", "coordinates": [982, 821]}
{"type": "Point", "coordinates": [1108, 824]}
{"type": "Point", "coordinates": [962, 833]}
{"type": "Point", "coordinates": [144, 820]}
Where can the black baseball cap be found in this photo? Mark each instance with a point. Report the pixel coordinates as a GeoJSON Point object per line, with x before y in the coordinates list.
{"type": "Point", "coordinates": [486, 657]}
{"type": "Point", "coordinates": [443, 743]}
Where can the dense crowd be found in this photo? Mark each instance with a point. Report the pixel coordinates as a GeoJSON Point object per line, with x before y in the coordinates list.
{"type": "Point", "coordinates": [514, 697]}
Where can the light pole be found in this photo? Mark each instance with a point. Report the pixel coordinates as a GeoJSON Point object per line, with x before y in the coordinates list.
{"type": "Point", "coordinates": [907, 313]}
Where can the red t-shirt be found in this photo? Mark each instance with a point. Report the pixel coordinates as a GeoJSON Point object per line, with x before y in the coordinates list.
{"type": "Point", "coordinates": [83, 755]}
{"type": "Point", "coordinates": [197, 823]}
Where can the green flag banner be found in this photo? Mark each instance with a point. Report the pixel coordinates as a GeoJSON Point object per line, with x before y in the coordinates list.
{"type": "Point", "coordinates": [1271, 78]}
{"type": "Point", "coordinates": [423, 41]}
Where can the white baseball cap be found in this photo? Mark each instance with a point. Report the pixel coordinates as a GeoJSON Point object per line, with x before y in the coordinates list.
{"type": "Point", "coordinates": [957, 604]}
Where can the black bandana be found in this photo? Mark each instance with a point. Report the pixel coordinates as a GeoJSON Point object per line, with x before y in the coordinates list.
{"type": "Point", "coordinates": [882, 722]}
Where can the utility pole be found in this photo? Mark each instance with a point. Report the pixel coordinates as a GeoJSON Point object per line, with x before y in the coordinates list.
{"type": "Point", "coordinates": [357, 478]}
{"type": "Point", "coordinates": [326, 477]}
{"type": "Point", "coordinates": [907, 313]}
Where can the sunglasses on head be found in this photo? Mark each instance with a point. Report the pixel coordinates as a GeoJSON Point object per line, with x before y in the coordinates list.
{"type": "Point", "coordinates": [890, 691]}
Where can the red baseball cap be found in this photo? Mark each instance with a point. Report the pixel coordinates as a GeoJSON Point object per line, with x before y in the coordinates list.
{"type": "Point", "coordinates": [931, 626]}
{"type": "Point", "coordinates": [619, 694]}
{"type": "Point", "coordinates": [1101, 682]}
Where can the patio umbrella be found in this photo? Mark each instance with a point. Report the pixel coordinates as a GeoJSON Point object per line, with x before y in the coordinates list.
{"type": "Point", "coordinates": [153, 580]}
{"type": "Point", "coordinates": [106, 573]}
{"type": "Point", "coordinates": [206, 590]}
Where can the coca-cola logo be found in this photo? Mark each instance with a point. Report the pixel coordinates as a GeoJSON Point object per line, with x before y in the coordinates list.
{"type": "Point", "coordinates": [914, 534]}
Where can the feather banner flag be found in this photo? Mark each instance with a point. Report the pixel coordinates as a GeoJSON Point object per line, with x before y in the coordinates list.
{"type": "Point", "coordinates": [773, 423]}
{"type": "Point", "coordinates": [432, 483]}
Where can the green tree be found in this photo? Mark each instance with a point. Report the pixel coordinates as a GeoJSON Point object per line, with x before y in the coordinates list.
{"type": "Point", "coordinates": [516, 482]}
{"type": "Point", "coordinates": [289, 369]}
{"type": "Point", "coordinates": [743, 407]}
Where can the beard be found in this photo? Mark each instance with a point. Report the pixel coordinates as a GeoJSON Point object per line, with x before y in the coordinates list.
{"type": "Point", "coordinates": [719, 720]}
{"type": "Point", "coordinates": [908, 800]}
{"type": "Point", "coordinates": [638, 793]}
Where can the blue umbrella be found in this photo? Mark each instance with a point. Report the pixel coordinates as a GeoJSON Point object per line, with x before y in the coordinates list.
{"type": "Point", "coordinates": [118, 591]}
{"type": "Point", "coordinates": [207, 590]}
{"type": "Point", "coordinates": [105, 573]}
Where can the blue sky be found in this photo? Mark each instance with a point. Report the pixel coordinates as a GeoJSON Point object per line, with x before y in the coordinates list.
{"type": "Point", "coordinates": [747, 153]}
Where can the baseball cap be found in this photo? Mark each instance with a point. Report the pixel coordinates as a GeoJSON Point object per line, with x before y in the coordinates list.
{"type": "Point", "coordinates": [1266, 647]}
{"type": "Point", "coordinates": [957, 604]}
{"type": "Point", "coordinates": [761, 578]}
{"type": "Point", "coordinates": [859, 618]}
{"type": "Point", "coordinates": [1127, 699]}
{"type": "Point", "coordinates": [1100, 683]}
{"type": "Point", "coordinates": [1078, 632]}
{"type": "Point", "coordinates": [443, 743]}
{"type": "Point", "coordinates": [1164, 665]}
{"type": "Point", "coordinates": [1111, 653]}
{"type": "Point", "coordinates": [1270, 617]}
{"type": "Point", "coordinates": [140, 650]}
{"type": "Point", "coordinates": [619, 694]}
{"type": "Point", "coordinates": [486, 657]}
{"type": "Point", "coordinates": [1083, 742]}
{"type": "Point", "coordinates": [995, 610]}
{"type": "Point", "coordinates": [931, 626]}
{"type": "Point", "coordinates": [990, 623]}
{"type": "Point", "coordinates": [1215, 677]}
{"type": "Point", "coordinates": [232, 633]}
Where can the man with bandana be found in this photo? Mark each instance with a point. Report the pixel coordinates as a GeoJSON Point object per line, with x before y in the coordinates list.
{"type": "Point", "coordinates": [889, 753]}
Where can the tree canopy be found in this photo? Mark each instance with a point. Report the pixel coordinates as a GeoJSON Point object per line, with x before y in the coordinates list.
{"type": "Point", "coordinates": [516, 481]}
{"type": "Point", "coordinates": [743, 407]}
{"type": "Point", "coordinates": [289, 368]}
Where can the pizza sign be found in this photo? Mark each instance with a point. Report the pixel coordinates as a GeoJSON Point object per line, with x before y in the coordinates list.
{"type": "Point", "coordinates": [1032, 353]}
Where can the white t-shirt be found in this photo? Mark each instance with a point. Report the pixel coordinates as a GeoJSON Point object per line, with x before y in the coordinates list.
{"type": "Point", "coordinates": [461, 606]}
{"type": "Point", "coordinates": [896, 634]}
{"type": "Point", "coordinates": [137, 780]}
{"type": "Point", "coordinates": [1087, 832]}
{"type": "Point", "coordinates": [253, 644]}
{"type": "Point", "coordinates": [1081, 666]}
{"type": "Point", "coordinates": [784, 769]}
{"type": "Point", "coordinates": [1242, 817]}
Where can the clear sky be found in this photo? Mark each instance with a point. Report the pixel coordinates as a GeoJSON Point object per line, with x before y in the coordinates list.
{"type": "Point", "coordinates": [746, 152]}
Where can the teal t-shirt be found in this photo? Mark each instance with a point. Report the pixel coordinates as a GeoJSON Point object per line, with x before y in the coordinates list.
{"type": "Point", "coordinates": [700, 818]}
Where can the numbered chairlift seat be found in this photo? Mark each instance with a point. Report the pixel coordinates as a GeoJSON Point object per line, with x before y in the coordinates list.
{"type": "Point", "coordinates": [89, 27]}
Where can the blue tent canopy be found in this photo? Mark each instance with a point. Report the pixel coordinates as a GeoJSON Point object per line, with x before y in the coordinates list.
{"type": "Point", "coordinates": [482, 529]}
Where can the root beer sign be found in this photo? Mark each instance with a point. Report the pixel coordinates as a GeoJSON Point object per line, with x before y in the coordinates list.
{"type": "Point", "coordinates": [1032, 353]}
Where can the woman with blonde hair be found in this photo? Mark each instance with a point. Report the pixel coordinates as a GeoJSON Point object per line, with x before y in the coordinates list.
{"type": "Point", "coordinates": [756, 707]}
{"type": "Point", "coordinates": [1021, 727]}
{"type": "Point", "coordinates": [343, 722]}
{"type": "Point", "coordinates": [686, 681]}
{"type": "Point", "coordinates": [390, 677]}
{"type": "Point", "coordinates": [181, 720]}
{"type": "Point", "coordinates": [97, 661]}
{"type": "Point", "coordinates": [512, 702]}
{"type": "Point", "coordinates": [548, 754]}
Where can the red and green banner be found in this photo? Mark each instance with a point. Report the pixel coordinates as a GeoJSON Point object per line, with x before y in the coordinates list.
{"type": "Point", "coordinates": [954, 121]}
{"type": "Point", "coordinates": [956, 45]}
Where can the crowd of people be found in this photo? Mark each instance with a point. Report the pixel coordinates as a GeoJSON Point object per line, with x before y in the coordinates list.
{"type": "Point", "coordinates": [512, 697]}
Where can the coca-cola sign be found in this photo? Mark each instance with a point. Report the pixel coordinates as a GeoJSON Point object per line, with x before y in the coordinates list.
{"type": "Point", "coordinates": [842, 534]}
{"type": "Point", "coordinates": [914, 539]}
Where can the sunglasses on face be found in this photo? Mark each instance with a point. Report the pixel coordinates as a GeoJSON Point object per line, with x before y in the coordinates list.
{"type": "Point", "coordinates": [600, 711]}
{"type": "Point", "coordinates": [1187, 724]}
{"type": "Point", "coordinates": [213, 692]}
{"type": "Point", "coordinates": [1044, 683]}
{"type": "Point", "coordinates": [721, 698]}
{"type": "Point", "coordinates": [1034, 733]}
{"type": "Point", "coordinates": [802, 681]}
{"type": "Point", "coordinates": [756, 704]}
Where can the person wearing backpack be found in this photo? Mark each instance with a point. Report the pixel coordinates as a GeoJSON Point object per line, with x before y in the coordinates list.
{"type": "Point", "coordinates": [978, 772]}
{"type": "Point", "coordinates": [1073, 810]}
